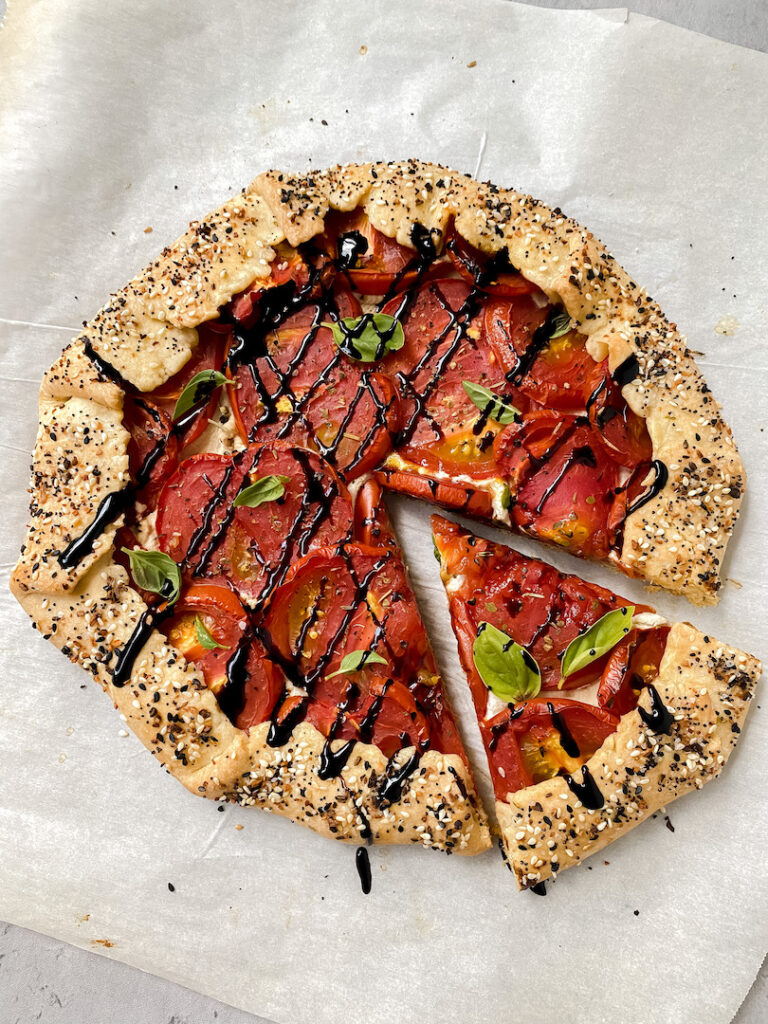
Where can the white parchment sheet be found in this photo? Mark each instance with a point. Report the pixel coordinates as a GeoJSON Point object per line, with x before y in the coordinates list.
{"type": "Point", "coordinates": [122, 116]}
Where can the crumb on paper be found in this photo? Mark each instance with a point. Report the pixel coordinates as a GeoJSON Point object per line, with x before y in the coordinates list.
{"type": "Point", "coordinates": [363, 50]}
{"type": "Point", "coordinates": [472, 64]}
{"type": "Point", "coordinates": [82, 919]}
{"type": "Point", "coordinates": [147, 231]}
{"type": "Point", "coordinates": [727, 325]}
{"type": "Point", "coordinates": [239, 828]}
{"type": "Point", "coordinates": [102, 942]}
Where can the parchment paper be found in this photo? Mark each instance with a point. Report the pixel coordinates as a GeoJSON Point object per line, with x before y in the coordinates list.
{"type": "Point", "coordinates": [123, 116]}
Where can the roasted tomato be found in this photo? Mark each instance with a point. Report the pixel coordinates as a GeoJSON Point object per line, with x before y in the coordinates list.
{"type": "Point", "coordinates": [288, 266]}
{"type": "Point", "coordinates": [209, 355]}
{"type": "Point", "coordinates": [495, 274]}
{"type": "Point", "coordinates": [246, 685]}
{"type": "Point", "coordinates": [562, 482]}
{"type": "Point", "coordinates": [632, 664]}
{"type": "Point", "coordinates": [622, 432]}
{"type": "Point", "coordinates": [441, 427]}
{"type": "Point", "coordinates": [463, 497]}
{"type": "Point", "coordinates": [372, 524]}
{"type": "Point", "coordinates": [338, 600]}
{"type": "Point", "coordinates": [373, 261]}
{"type": "Point", "coordinates": [152, 450]}
{"type": "Point", "coordinates": [251, 548]}
{"type": "Point", "coordinates": [540, 608]}
{"type": "Point", "coordinates": [547, 372]}
{"type": "Point", "coordinates": [542, 739]}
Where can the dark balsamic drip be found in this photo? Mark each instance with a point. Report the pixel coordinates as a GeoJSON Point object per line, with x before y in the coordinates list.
{"type": "Point", "coordinates": [657, 484]}
{"type": "Point", "coordinates": [627, 371]}
{"type": "Point", "coordinates": [350, 247]}
{"type": "Point", "coordinates": [332, 761]}
{"type": "Point", "coordinates": [109, 509]}
{"type": "Point", "coordinates": [540, 889]}
{"type": "Point", "coordinates": [106, 369]}
{"type": "Point", "coordinates": [567, 742]}
{"type": "Point", "coordinates": [232, 698]}
{"type": "Point", "coordinates": [539, 341]}
{"type": "Point", "coordinates": [217, 497]}
{"type": "Point", "coordinates": [363, 865]}
{"type": "Point", "coordinates": [659, 718]}
{"type": "Point", "coordinates": [127, 655]}
{"type": "Point", "coordinates": [552, 616]}
{"type": "Point", "coordinates": [392, 788]}
{"type": "Point", "coordinates": [498, 730]}
{"type": "Point", "coordinates": [587, 791]}
{"type": "Point", "coordinates": [581, 456]}
{"type": "Point", "coordinates": [596, 393]}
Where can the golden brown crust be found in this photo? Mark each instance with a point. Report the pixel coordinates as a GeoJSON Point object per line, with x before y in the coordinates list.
{"type": "Point", "coordinates": [147, 332]}
{"type": "Point", "coordinates": [708, 688]}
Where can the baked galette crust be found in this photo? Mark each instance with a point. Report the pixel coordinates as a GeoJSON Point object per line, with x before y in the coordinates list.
{"type": "Point", "coordinates": [147, 332]}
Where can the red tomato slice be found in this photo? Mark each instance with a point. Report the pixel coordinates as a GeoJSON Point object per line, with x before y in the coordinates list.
{"type": "Point", "coordinates": [152, 450]}
{"type": "Point", "coordinates": [343, 599]}
{"type": "Point", "coordinates": [622, 433]}
{"type": "Point", "coordinates": [556, 374]}
{"type": "Point", "coordinates": [371, 259]}
{"type": "Point", "coordinates": [499, 277]}
{"type": "Point", "coordinates": [531, 744]}
{"type": "Point", "coordinates": [463, 498]}
{"type": "Point", "coordinates": [372, 524]}
{"type": "Point", "coordinates": [562, 482]}
{"type": "Point", "coordinates": [288, 265]}
{"type": "Point", "coordinates": [540, 608]}
{"type": "Point", "coordinates": [632, 664]}
{"type": "Point", "coordinates": [209, 355]}
{"type": "Point", "coordinates": [251, 548]}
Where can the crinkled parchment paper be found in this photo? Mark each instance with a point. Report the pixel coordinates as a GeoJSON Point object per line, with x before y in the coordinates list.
{"type": "Point", "coordinates": [123, 116]}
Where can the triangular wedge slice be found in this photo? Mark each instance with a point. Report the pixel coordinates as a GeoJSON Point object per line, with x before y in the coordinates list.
{"type": "Point", "coordinates": [594, 713]}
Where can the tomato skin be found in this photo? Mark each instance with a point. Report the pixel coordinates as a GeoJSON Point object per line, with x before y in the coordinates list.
{"type": "Point", "coordinates": [250, 549]}
{"type": "Point", "coordinates": [525, 745]}
{"type": "Point", "coordinates": [379, 258]}
{"type": "Point", "coordinates": [632, 664]}
{"type": "Point", "coordinates": [149, 428]}
{"type": "Point", "coordinates": [372, 525]}
{"type": "Point", "coordinates": [622, 433]}
{"type": "Point", "coordinates": [463, 498]}
{"type": "Point", "coordinates": [467, 260]}
{"type": "Point", "coordinates": [288, 265]}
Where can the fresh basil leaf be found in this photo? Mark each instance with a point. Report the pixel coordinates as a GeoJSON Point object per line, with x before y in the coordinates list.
{"type": "Point", "coordinates": [369, 337]}
{"type": "Point", "coordinates": [204, 637]}
{"type": "Point", "coordinates": [267, 488]}
{"type": "Point", "coordinates": [492, 406]}
{"type": "Point", "coordinates": [561, 324]}
{"type": "Point", "coordinates": [436, 551]}
{"type": "Point", "coordinates": [356, 660]}
{"type": "Point", "coordinates": [506, 668]}
{"type": "Point", "coordinates": [596, 641]}
{"type": "Point", "coordinates": [155, 571]}
{"type": "Point", "coordinates": [201, 386]}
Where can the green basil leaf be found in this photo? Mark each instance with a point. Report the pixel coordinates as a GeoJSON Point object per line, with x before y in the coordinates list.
{"type": "Point", "coordinates": [436, 550]}
{"type": "Point", "coordinates": [492, 406]}
{"type": "Point", "coordinates": [267, 488]}
{"type": "Point", "coordinates": [596, 641]}
{"type": "Point", "coordinates": [369, 337]}
{"type": "Point", "coordinates": [506, 668]}
{"type": "Point", "coordinates": [201, 387]}
{"type": "Point", "coordinates": [155, 571]}
{"type": "Point", "coordinates": [561, 323]}
{"type": "Point", "coordinates": [356, 660]}
{"type": "Point", "coordinates": [204, 637]}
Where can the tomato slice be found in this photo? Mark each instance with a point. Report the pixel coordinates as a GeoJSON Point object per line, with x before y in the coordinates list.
{"type": "Point", "coordinates": [152, 450]}
{"type": "Point", "coordinates": [499, 278]}
{"type": "Point", "coordinates": [463, 497]}
{"type": "Point", "coordinates": [251, 549]}
{"type": "Point", "coordinates": [562, 481]}
{"type": "Point", "coordinates": [540, 608]}
{"type": "Point", "coordinates": [209, 355]}
{"type": "Point", "coordinates": [622, 433]}
{"type": "Point", "coordinates": [246, 685]}
{"type": "Point", "coordinates": [373, 261]}
{"type": "Point", "coordinates": [288, 265]}
{"type": "Point", "coordinates": [372, 523]}
{"type": "Point", "coordinates": [542, 739]}
{"type": "Point", "coordinates": [632, 664]}
{"type": "Point", "coordinates": [552, 376]}
{"type": "Point", "coordinates": [338, 600]}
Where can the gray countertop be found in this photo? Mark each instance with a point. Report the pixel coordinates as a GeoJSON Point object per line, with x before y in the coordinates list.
{"type": "Point", "coordinates": [48, 981]}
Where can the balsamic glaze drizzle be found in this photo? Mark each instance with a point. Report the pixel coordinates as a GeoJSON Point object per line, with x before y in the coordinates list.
{"type": "Point", "coordinates": [659, 718]}
{"type": "Point", "coordinates": [657, 485]}
{"type": "Point", "coordinates": [363, 865]}
{"type": "Point", "coordinates": [567, 742]}
{"type": "Point", "coordinates": [587, 791]}
{"type": "Point", "coordinates": [128, 654]}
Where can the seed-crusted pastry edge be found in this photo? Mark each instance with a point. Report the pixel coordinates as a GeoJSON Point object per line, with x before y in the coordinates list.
{"type": "Point", "coordinates": [147, 332]}
{"type": "Point", "coordinates": [708, 688]}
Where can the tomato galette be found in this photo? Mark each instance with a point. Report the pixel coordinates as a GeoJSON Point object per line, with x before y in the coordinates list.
{"type": "Point", "coordinates": [594, 712]}
{"type": "Point", "coordinates": [208, 535]}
